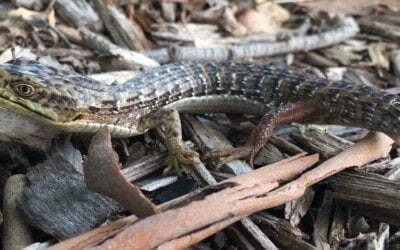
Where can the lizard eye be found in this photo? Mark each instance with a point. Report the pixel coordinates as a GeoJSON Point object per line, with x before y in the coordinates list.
{"type": "Point", "coordinates": [25, 90]}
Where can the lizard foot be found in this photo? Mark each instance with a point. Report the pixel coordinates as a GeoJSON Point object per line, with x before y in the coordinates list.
{"type": "Point", "coordinates": [291, 112]}
{"type": "Point", "coordinates": [178, 158]}
{"type": "Point", "coordinates": [247, 151]}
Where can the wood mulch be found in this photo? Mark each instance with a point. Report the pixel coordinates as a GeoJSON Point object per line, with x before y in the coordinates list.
{"type": "Point", "coordinates": [313, 187]}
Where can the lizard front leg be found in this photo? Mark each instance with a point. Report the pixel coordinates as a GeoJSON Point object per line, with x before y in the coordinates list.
{"type": "Point", "coordinates": [292, 112]}
{"type": "Point", "coordinates": [168, 125]}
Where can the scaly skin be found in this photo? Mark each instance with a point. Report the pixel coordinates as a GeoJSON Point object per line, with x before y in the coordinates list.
{"type": "Point", "coordinates": [76, 103]}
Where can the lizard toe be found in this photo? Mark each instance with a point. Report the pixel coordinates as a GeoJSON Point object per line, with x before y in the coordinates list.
{"type": "Point", "coordinates": [182, 157]}
{"type": "Point", "coordinates": [232, 154]}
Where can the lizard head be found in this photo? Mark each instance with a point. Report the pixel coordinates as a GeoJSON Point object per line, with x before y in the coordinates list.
{"type": "Point", "coordinates": [40, 91]}
{"type": "Point", "coordinates": [56, 97]}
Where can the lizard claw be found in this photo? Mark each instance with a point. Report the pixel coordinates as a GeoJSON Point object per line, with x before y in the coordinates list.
{"type": "Point", "coordinates": [181, 157]}
{"type": "Point", "coordinates": [231, 154]}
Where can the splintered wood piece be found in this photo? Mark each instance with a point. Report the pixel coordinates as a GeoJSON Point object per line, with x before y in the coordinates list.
{"type": "Point", "coordinates": [78, 13]}
{"type": "Point", "coordinates": [295, 210]}
{"type": "Point", "coordinates": [131, 58]}
{"type": "Point", "coordinates": [58, 202]}
{"type": "Point", "coordinates": [103, 176]}
{"type": "Point", "coordinates": [321, 224]}
{"type": "Point", "coordinates": [16, 232]}
{"type": "Point", "coordinates": [119, 26]}
{"type": "Point", "coordinates": [374, 146]}
{"type": "Point", "coordinates": [258, 234]}
{"type": "Point", "coordinates": [281, 232]}
{"type": "Point", "coordinates": [382, 29]}
{"type": "Point", "coordinates": [322, 142]}
{"type": "Point", "coordinates": [370, 194]}
{"type": "Point", "coordinates": [347, 28]}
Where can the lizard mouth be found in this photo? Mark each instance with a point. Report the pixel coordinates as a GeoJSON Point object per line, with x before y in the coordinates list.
{"type": "Point", "coordinates": [27, 109]}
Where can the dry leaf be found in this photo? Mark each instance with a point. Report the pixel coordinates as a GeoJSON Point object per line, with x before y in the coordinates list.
{"type": "Point", "coordinates": [267, 18]}
{"type": "Point", "coordinates": [275, 11]}
{"type": "Point", "coordinates": [103, 176]}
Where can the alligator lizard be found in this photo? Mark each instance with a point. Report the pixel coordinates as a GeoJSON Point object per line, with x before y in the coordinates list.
{"type": "Point", "coordinates": [76, 103]}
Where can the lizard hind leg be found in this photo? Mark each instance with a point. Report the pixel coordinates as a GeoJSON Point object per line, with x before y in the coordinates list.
{"type": "Point", "coordinates": [168, 125]}
{"type": "Point", "coordinates": [291, 112]}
